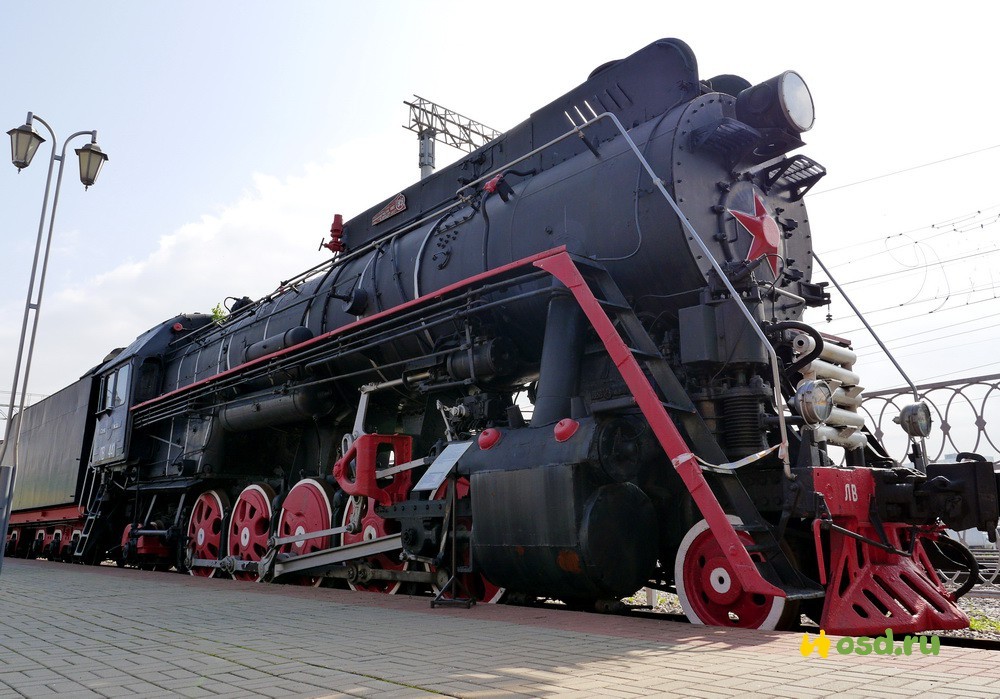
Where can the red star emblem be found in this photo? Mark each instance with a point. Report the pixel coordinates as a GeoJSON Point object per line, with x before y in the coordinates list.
{"type": "Point", "coordinates": [764, 230]}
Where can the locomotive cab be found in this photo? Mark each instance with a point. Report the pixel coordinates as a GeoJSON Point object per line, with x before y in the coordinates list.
{"type": "Point", "coordinates": [114, 391]}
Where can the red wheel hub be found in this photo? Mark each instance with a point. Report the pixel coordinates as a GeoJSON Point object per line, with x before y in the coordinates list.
{"type": "Point", "coordinates": [205, 529]}
{"type": "Point", "coordinates": [709, 590]}
{"type": "Point", "coordinates": [371, 527]}
{"type": "Point", "coordinates": [305, 509]}
{"type": "Point", "coordinates": [250, 526]}
{"type": "Point", "coordinates": [717, 581]}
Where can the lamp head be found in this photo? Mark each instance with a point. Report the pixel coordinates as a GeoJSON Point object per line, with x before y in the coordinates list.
{"type": "Point", "coordinates": [92, 158]}
{"type": "Point", "coordinates": [915, 420]}
{"type": "Point", "coordinates": [783, 102]}
{"type": "Point", "coordinates": [24, 141]}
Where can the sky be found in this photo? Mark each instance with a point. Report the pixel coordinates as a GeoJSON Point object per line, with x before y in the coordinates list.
{"type": "Point", "coordinates": [236, 130]}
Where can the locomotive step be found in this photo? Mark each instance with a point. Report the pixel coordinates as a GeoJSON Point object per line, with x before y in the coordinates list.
{"type": "Point", "coordinates": [641, 354]}
{"type": "Point", "coordinates": [614, 305]}
{"type": "Point", "coordinates": [794, 593]}
{"type": "Point", "coordinates": [751, 528]}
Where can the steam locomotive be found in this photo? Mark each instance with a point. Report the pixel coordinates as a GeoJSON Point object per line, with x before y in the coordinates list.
{"type": "Point", "coordinates": [569, 366]}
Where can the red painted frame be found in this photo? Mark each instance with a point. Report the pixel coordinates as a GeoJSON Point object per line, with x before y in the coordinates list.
{"type": "Point", "coordinates": [869, 589]}
{"type": "Point", "coordinates": [47, 515]}
{"type": "Point", "coordinates": [561, 266]}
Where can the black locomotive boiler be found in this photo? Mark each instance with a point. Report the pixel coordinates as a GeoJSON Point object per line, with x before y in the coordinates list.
{"type": "Point", "coordinates": [571, 365]}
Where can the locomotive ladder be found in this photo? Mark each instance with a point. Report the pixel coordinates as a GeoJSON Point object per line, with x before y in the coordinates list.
{"type": "Point", "coordinates": [644, 370]}
{"type": "Point", "coordinates": [93, 515]}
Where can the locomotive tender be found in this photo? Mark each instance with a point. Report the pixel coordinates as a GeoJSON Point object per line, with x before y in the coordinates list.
{"type": "Point", "coordinates": [633, 261]}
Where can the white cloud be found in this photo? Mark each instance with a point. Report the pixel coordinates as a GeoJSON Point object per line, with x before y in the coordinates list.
{"type": "Point", "coordinates": [246, 248]}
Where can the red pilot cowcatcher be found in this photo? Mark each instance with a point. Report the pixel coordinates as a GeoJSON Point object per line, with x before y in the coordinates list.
{"type": "Point", "coordinates": [871, 587]}
{"type": "Point", "coordinates": [764, 230]}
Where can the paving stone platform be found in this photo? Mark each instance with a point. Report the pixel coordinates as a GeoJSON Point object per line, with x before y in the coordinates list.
{"type": "Point", "coordinates": [76, 631]}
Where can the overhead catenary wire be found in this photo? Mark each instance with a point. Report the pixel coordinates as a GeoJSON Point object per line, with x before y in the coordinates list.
{"type": "Point", "coordinates": [943, 296]}
{"type": "Point", "coordinates": [861, 350]}
{"type": "Point", "coordinates": [980, 218]}
{"type": "Point", "coordinates": [965, 343]}
{"type": "Point", "coordinates": [961, 371]}
{"type": "Point", "coordinates": [901, 171]}
{"type": "Point", "coordinates": [962, 230]}
{"type": "Point", "coordinates": [918, 268]}
{"type": "Point", "coordinates": [939, 228]}
{"type": "Point", "coordinates": [918, 315]}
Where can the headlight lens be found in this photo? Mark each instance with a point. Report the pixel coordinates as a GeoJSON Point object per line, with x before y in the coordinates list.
{"type": "Point", "coordinates": [783, 102]}
{"type": "Point", "coordinates": [796, 101]}
{"type": "Point", "coordinates": [915, 420]}
{"type": "Point", "coordinates": [814, 401]}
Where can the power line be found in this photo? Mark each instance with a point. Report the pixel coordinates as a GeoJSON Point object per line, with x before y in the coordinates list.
{"type": "Point", "coordinates": [960, 371]}
{"type": "Point", "coordinates": [899, 172]}
{"type": "Point", "coordinates": [934, 226]}
{"type": "Point", "coordinates": [939, 297]}
{"type": "Point", "coordinates": [950, 329]}
{"type": "Point", "coordinates": [965, 344]}
{"type": "Point", "coordinates": [917, 268]}
{"type": "Point", "coordinates": [918, 315]}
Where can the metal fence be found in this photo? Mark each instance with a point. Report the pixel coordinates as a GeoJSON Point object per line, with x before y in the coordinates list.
{"type": "Point", "coordinates": [960, 410]}
{"type": "Point", "coordinates": [966, 414]}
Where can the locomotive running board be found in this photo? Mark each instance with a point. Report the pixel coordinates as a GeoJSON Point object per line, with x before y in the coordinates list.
{"type": "Point", "coordinates": [562, 266]}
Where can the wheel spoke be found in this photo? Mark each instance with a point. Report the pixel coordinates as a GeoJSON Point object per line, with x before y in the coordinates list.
{"type": "Point", "coordinates": [372, 527]}
{"type": "Point", "coordinates": [205, 530]}
{"type": "Point", "coordinates": [250, 526]}
{"type": "Point", "coordinates": [305, 509]}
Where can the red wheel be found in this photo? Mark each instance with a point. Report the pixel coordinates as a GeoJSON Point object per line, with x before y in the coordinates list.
{"type": "Point", "coordinates": [205, 530]}
{"type": "Point", "coordinates": [710, 592]}
{"type": "Point", "coordinates": [250, 526]}
{"type": "Point", "coordinates": [371, 527]}
{"type": "Point", "coordinates": [305, 509]}
{"type": "Point", "coordinates": [477, 585]}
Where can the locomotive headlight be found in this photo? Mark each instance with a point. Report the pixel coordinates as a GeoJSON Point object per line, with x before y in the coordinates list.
{"type": "Point", "coordinates": [814, 401]}
{"type": "Point", "coordinates": [783, 102]}
{"type": "Point", "coordinates": [915, 420]}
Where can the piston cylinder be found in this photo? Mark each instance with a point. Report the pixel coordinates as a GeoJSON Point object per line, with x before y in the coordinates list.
{"type": "Point", "coordinates": [554, 531]}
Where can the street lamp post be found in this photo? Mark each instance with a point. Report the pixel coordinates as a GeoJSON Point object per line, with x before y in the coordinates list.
{"type": "Point", "coordinates": [24, 142]}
